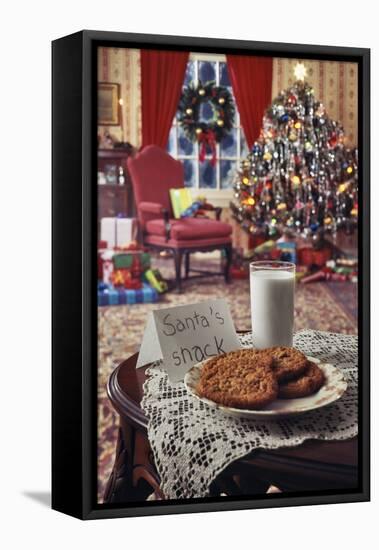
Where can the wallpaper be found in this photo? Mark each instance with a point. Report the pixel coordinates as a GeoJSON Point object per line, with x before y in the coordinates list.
{"type": "Point", "coordinates": [122, 66]}
{"type": "Point", "coordinates": [335, 85]}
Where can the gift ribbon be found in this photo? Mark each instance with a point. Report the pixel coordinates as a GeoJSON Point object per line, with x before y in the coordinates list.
{"type": "Point", "coordinates": [207, 139]}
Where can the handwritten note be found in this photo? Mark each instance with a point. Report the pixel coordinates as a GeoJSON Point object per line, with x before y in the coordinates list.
{"type": "Point", "coordinates": [185, 335]}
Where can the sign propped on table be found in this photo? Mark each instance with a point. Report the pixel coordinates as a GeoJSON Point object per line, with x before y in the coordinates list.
{"type": "Point", "coordinates": [185, 335]}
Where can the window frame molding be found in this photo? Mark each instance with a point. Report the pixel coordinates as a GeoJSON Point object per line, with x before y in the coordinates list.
{"type": "Point", "coordinates": [217, 195]}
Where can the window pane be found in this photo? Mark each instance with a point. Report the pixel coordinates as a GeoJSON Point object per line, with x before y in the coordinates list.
{"type": "Point", "coordinates": [207, 71]}
{"type": "Point", "coordinates": [171, 141]}
{"type": "Point", "coordinates": [243, 144]}
{"type": "Point", "coordinates": [190, 73]}
{"type": "Point", "coordinates": [229, 144]}
{"type": "Point", "coordinates": [185, 146]}
{"type": "Point", "coordinates": [189, 173]}
{"type": "Point", "coordinates": [224, 76]}
{"type": "Point", "coordinates": [207, 176]}
{"type": "Point", "coordinates": [227, 173]}
{"type": "Point", "coordinates": [206, 112]}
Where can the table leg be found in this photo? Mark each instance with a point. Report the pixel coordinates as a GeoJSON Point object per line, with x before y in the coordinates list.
{"type": "Point", "coordinates": [133, 477]}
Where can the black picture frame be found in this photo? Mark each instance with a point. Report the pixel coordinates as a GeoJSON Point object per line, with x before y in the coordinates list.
{"type": "Point", "coordinates": [74, 315]}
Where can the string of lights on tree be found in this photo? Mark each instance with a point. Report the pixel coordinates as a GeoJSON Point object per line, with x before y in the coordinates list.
{"type": "Point", "coordinates": [299, 175]}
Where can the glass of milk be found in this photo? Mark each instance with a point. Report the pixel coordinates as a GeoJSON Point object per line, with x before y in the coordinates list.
{"type": "Point", "coordinates": [272, 293]}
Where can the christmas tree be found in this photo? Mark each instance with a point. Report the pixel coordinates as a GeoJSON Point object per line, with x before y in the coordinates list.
{"type": "Point", "coordinates": [299, 175]}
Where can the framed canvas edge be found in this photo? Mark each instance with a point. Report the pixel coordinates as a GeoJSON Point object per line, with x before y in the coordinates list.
{"type": "Point", "coordinates": [91, 40]}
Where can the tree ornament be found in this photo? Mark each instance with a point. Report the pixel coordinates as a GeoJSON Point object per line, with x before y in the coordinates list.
{"type": "Point", "coordinates": [295, 180]}
{"type": "Point", "coordinates": [299, 172]}
{"type": "Point", "coordinates": [308, 146]}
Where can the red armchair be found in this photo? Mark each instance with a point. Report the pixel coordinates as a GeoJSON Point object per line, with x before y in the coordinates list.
{"type": "Point", "coordinates": [153, 173]}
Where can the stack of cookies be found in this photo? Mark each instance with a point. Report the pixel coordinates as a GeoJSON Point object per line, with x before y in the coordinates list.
{"type": "Point", "coordinates": [252, 379]}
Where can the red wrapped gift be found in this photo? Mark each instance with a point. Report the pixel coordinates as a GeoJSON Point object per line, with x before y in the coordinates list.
{"type": "Point", "coordinates": [124, 278]}
{"type": "Point", "coordinates": [256, 240]}
{"type": "Point", "coordinates": [320, 257]}
{"type": "Point", "coordinates": [309, 256]}
{"type": "Point", "coordinates": [239, 272]}
{"type": "Point", "coordinates": [275, 254]}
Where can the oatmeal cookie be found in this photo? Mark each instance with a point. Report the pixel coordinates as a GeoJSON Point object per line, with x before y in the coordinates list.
{"type": "Point", "coordinates": [242, 379]}
{"type": "Point", "coordinates": [289, 363]}
{"type": "Point", "coordinates": [308, 383]}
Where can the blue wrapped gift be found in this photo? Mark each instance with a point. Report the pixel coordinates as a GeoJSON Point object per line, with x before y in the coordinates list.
{"type": "Point", "coordinates": [108, 295]}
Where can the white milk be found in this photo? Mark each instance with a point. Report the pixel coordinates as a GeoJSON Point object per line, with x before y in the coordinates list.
{"type": "Point", "coordinates": [272, 307]}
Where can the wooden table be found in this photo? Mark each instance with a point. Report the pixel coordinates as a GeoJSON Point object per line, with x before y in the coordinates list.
{"type": "Point", "coordinates": [314, 465]}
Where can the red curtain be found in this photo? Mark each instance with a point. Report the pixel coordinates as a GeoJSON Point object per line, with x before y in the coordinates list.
{"type": "Point", "coordinates": [162, 76]}
{"type": "Point", "coordinates": [251, 79]}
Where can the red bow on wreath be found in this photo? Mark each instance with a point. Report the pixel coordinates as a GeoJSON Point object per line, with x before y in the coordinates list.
{"type": "Point", "coordinates": [206, 139]}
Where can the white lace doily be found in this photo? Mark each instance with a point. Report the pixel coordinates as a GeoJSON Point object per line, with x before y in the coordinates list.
{"type": "Point", "coordinates": [193, 443]}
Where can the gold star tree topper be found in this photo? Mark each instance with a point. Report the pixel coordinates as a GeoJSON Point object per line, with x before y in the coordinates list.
{"type": "Point", "coordinates": [300, 71]}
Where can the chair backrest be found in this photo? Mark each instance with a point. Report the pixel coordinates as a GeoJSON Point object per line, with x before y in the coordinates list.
{"type": "Point", "coordinates": [153, 173]}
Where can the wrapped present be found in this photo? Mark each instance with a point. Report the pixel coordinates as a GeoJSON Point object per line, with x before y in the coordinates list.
{"type": "Point", "coordinates": [106, 268]}
{"type": "Point", "coordinates": [124, 278]}
{"type": "Point", "coordinates": [125, 260]}
{"type": "Point", "coordinates": [239, 272]}
{"type": "Point", "coordinates": [181, 199]}
{"type": "Point", "coordinates": [118, 231]}
{"type": "Point", "coordinates": [287, 250]}
{"type": "Point", "coordinates": [111, 296]}
{"type": "Point", "coordinates": [309, 256]}
{"type": "Point", "coordinates": [255, 240]}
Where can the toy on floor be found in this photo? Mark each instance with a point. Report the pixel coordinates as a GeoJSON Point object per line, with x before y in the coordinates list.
{"type": "Point", "coordinates": [154, 277]}
{"type": "Point", "coordinates": [333, 272]}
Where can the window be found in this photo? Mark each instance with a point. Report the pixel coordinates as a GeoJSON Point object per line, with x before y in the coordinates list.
{"type": "Point", "coordinates": [202, 176]}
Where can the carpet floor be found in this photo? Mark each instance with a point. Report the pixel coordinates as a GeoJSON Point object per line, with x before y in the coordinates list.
{"type": "Point", "coordinates": [321, 306]}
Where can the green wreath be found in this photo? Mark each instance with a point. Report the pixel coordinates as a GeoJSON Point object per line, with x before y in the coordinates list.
{"type": "Point", "coordinates": [222, 103]}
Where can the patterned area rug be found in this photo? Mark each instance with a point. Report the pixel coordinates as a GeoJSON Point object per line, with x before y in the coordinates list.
{"type": "Point", "coordinates": [330, 307]}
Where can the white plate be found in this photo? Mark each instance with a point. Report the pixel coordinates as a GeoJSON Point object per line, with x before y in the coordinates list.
{"type": "Point", "coordinates": [334, 387]}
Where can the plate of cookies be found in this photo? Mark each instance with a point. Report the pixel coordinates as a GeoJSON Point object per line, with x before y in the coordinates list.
{"type": "Point", "coordinates": [266, 383]}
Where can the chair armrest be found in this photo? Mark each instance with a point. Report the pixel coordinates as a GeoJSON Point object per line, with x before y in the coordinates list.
{"type": "Point", "coordinates": [159, 210]}
{"type": "Point", "coordinates": [210, 208]}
